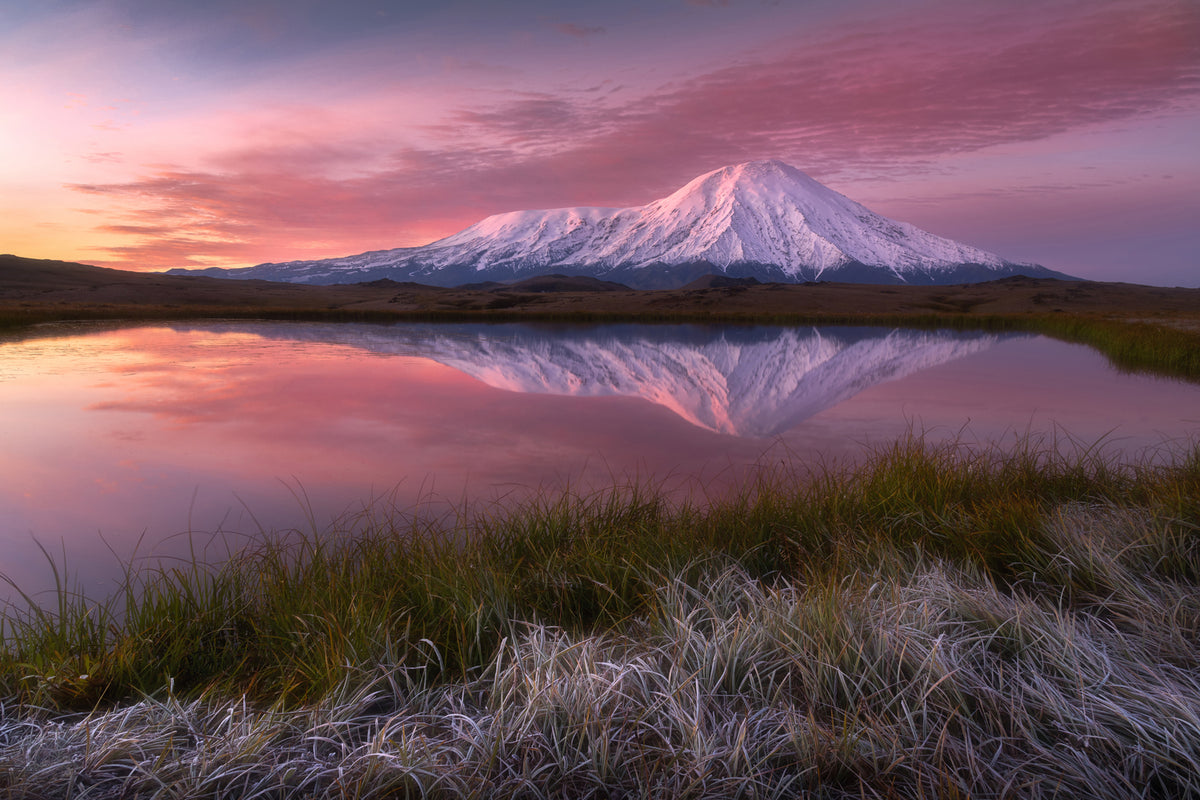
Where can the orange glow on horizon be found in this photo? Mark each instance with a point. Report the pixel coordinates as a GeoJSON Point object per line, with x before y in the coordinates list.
{"type": "Point", "coordinates": [192, 147]}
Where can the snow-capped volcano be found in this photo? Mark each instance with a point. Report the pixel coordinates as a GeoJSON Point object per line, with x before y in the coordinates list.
{"type": "Point", "coordinates": [763, 219]}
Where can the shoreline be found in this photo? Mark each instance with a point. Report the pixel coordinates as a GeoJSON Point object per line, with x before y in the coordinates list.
{"type": "Point", "coordinates": [929, 621]}
{"type": "Point", "coordinates": [1138, 327]}
{"type": "Point", "coordinates": [883, 624]}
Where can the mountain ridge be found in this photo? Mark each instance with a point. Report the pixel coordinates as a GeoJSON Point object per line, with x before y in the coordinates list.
{"type": "Point", "coordinates": [760, 219]}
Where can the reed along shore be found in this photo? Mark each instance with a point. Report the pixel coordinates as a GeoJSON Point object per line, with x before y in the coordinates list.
{"type": "Point", "coordinates": [934, 622]}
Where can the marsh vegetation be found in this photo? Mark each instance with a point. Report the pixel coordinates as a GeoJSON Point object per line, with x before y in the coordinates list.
{"type": "Point", "coordinates": [937, 622]}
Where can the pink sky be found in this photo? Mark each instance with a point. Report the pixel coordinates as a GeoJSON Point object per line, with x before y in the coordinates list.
{"type": "Point", "coordinates": [149, 134]}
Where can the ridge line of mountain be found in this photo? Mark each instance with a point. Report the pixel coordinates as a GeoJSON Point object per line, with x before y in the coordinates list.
{"type": "Point", "coordinates": [762, 219]}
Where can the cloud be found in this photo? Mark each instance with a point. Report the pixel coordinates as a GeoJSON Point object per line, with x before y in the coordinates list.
{"type": "Point", "coordinates": [868, 100]}
{"type": "Point", "coordinates": [529, 119]}
{"type": "Point", "coordinates": [578, 31]}
{"type": "Point", "coordinates": [107, 157]}
{"type": "Point", "coordinates": [893, 95]}
{"type": "Point", "coordinates": [865, 101]}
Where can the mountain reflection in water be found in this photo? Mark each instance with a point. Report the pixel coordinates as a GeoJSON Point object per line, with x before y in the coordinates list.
{"type": "Point", "coordinates": [138, 433]}
{"type": "Point", "coordinates": [752, 382]}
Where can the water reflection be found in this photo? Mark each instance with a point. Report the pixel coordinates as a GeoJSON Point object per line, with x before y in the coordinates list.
{"type": "Point", "coordinates": [741, 381]}
{"type": "Point", "coordinates": [146, 432]}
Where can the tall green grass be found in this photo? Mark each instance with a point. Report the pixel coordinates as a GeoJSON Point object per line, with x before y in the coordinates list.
{"type": "Point", "coordinates": [282, 616]}
{"type": "Point", "coordinates": [934, 622]}
{"type": "Point", "coordinates": [1141, 346]}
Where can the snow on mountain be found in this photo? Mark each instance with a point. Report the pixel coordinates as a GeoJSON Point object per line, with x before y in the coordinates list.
{"type": "Point", "coordinates": [763, 219]}
{"type": "Point", "coordinates": [754, 383]}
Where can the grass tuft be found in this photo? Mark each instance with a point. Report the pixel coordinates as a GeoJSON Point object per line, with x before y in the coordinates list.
{"type": "Point", "coordinates": [935, 622]}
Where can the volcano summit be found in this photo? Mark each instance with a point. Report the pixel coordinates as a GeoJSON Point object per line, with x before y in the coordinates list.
{"type": "Point", "coordinates": [762, 219]}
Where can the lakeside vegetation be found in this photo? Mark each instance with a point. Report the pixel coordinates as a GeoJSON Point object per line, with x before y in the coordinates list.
{"type": "Point", "coordinates": [1158, 347]}
{"type": "Point", "coordinates": [1156, 329]}
{"type": "Point", "coordinates": [935, 622]}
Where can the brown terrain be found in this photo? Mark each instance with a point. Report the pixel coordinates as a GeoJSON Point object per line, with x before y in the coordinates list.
{"type": "Point", "coordinates": [35, 290]}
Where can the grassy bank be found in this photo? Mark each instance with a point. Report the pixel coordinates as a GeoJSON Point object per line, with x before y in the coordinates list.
{"type": "Point", "coordinates": [1157, 347]}
{"type": "Point", "coordinates": [1142, 346]}
{"type": "Point", "coordinates": [934, 623]}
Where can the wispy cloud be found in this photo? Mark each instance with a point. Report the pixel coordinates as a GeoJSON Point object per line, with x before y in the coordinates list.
{"type": "Point", "coordinates": [578, 31]}
{"type": "Point", "coordinates": [867, 100]}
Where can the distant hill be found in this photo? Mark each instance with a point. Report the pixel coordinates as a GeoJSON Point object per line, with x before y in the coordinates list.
{"type": "Point", "coordinates": [762, 219]}
{"type": "Point", "coordinates": [561, 283]}
{"type": "Point", "coordinates": [41, 290]}
{"type": "Point", "coordinates": [65, 284]}
{"type": "Point", "coordinates": [36, 274]}
{"type": "Point", "coordinates": [719, 282]}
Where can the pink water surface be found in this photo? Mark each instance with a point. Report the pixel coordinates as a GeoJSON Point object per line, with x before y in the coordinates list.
{"type": "Point", "coordinates": [115, 440]}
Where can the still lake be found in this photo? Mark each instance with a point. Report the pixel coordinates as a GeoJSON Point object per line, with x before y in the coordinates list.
{"type": "Point", "coordinates": [118, 439]}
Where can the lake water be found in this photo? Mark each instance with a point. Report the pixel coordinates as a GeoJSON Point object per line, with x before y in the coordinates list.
{"type": "Point", "coordinates": [114, 435]}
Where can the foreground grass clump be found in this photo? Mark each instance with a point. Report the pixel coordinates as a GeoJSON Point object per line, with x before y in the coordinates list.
{"type": "Point", "coordinates": [935, 623]}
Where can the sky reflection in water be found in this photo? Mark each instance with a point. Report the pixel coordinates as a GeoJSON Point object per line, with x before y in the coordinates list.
{"type": "Point", "coordinates": [111, 433]}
